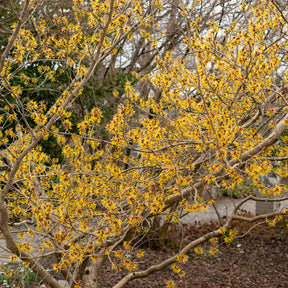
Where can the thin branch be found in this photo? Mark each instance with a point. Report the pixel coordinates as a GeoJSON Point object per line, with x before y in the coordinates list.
{"type": "Point", "coordinates": [158, 267]}
{"type": "Point", "coordinates": [15, 33]}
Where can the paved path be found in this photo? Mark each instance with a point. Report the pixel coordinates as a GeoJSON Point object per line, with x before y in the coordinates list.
{"type": "Point", "coordinates": [223, 206]}
{"type": "Point", "coordinates": [4, 252]}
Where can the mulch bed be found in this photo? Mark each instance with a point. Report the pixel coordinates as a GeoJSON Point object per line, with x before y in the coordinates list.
{"type": "Point", "coordinates": [260, 259]}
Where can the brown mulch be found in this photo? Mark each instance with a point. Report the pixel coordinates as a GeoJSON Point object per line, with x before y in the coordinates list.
{"type": "Point", "coordinates": [260, 259]}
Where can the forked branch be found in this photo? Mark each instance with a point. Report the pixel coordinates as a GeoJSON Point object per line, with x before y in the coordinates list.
{"type": "Point", "coordinates": [164, 264]}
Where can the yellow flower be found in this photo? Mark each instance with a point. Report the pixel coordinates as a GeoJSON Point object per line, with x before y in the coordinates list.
{"type": "Point", "coordinates": [222, 230]}
{"type": "Point", "coordinates": [48, 244]}
{"type": "Point", "coordinates": [16, 91]}
{"type": "Point", "coordinates": [233, 233]}
{"type": "Point", "coordinates": [129, 265]}
{"type": "Point", "coordinates": [228, 240]}
{"type": "Point", "coordinates": [182, 258]}
{"type": "Point", "coordinates": [140, 253]}
{"type": "Point", "coordinates": [84, 226]}
{"type": "Point", "coordinates": [13, 258]}
{"type": "Point", "coordinates": [25, 246]}
{"type": "Point", "coordinates": [8, 273]}
{"type": "Point", "coordinates": [170, 284]}
{"type": "Point", "coordinates": [213, 250]}
{"type": "Point", "coordinates": [198, 250]}
{"type": "Point", "coordinates": [94, 257]}
{"type": "Point", "coordinates": [176, 269]}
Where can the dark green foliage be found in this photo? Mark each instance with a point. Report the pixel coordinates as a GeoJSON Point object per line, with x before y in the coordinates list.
{"type": "Point", "coordinates": [244, 189]}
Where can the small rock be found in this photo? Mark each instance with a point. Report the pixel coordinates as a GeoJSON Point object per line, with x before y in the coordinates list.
{"type": "Point", "coordinates": [64, 283]}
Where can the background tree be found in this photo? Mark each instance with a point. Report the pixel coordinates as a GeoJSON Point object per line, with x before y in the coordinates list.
{"type": "Point", "coordinates": [148, 104]}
